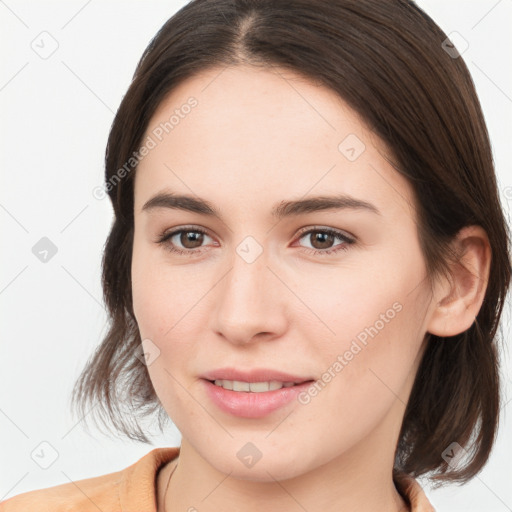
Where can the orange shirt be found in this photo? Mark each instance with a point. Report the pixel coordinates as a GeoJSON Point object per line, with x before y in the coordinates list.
{"type": "Point", "coordinates": [133, 490]}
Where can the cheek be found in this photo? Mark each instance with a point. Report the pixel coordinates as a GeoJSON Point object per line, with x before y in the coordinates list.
{"type": "Point", "coordinates": [366, 369]}
{"type": "Point", "coordinates": [162, 294]}
{"type": "Point", "coordinates": [343, 304]}
{"type": "Point", "coordinates": [148, 300]}
{"type": "Point", "coordinates": [163, 306]}
{"type": "Point", "coordinates": [368, 326]}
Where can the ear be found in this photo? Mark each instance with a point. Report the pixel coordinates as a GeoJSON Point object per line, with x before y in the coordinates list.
{"type": "Point", "coordinates": [459, 301]}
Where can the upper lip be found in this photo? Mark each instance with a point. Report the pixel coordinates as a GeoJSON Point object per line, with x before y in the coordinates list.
{"type": "Point", "coordinates": [254, 375]}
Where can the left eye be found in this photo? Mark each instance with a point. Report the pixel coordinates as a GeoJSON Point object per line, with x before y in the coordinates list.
{"type": "Point", "coordinates": [322, 239]}
{"type": "Point", "coordinates": [191, 240]}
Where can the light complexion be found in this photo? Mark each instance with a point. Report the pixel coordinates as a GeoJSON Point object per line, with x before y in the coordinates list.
{"type": "Point", "coordinates": [256, 139]}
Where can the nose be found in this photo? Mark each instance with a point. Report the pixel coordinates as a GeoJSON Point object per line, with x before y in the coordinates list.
{"type": "Point", "coordinates": [250, 302]}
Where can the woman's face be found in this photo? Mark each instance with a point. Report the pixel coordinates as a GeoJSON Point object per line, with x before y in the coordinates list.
{"type": "Point", "coordinates": [261, 289]}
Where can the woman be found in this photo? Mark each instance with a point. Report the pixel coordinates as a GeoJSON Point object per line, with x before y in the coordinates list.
{"type": "Point", "coordinates": [307, 266]}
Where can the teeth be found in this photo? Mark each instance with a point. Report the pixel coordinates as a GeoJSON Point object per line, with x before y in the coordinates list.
{"type": "Point", "coordinates": [253, 387]}
{"type": "Point", "coordinates": [240, 386]}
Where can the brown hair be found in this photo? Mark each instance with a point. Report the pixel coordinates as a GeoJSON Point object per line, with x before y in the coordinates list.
{"type": "Point", "coordinates": [387, 60]}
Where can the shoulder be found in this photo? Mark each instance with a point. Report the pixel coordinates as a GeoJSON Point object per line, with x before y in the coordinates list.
{"type": "Point", "coordinates": [83, 495]}
{"type": "Point", "coordinates": [113, 492]}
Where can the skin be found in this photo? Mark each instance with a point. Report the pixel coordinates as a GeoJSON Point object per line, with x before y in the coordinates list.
{"type": "Point", "coordinates": [258, 137]}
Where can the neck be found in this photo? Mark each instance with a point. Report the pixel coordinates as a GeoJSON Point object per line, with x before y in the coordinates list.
{"type": "Point", "coordinates": [358, 480]}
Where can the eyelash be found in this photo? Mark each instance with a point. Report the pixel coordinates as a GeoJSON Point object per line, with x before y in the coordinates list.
{"type": "Point", "coordinates": [166, 236]}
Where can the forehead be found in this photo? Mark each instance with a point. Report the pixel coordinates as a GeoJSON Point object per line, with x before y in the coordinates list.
{"type": "Point", "coordinates": [254, 134]}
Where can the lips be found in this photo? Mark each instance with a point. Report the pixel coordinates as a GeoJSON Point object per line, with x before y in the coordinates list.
{"type": "Point", "coordinates": [252, 405]}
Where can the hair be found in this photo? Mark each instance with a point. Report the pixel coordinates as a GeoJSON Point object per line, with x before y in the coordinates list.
{"type": "Point", "coordinates": [386, 59]}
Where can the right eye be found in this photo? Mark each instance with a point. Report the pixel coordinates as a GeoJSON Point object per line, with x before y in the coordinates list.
{"type": "Point", "coordinates": [190, 239]}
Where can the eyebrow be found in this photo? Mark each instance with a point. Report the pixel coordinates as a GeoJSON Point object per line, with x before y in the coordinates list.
{"type": "Point", "coordinates": [279, 211]}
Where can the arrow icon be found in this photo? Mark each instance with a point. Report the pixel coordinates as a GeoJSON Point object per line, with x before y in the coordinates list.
{"type": "Point", "coordinates": [249, 455]}
{"type": "Point", "coordinates": [453, 454]}
{"type": "Point", "coordinates": [249, 249]}
{"type": "Point", "coordinates": [351, 147]}
{"type": "Point", "coordinates": [44, 250]}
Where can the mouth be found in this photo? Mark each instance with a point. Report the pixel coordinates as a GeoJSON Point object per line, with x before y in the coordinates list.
{"type": "Point", "coordinates": [254, 387]}
{"type": "Point", "coordinates": [254, 400]}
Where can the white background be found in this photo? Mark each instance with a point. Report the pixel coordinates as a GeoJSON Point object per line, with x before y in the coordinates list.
{"type": "Point", "coordinates": [56, 115]}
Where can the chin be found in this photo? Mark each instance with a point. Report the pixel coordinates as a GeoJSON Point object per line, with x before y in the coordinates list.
{"type": "Point", "coordinates": [268, 470]}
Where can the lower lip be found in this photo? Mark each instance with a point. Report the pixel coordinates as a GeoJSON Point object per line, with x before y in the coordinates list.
{"type": "Point", "coordinates": [252, 405]}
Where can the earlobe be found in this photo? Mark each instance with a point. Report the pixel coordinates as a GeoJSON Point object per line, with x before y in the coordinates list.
{"type": "Point", "coordinates": [458, 302]}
